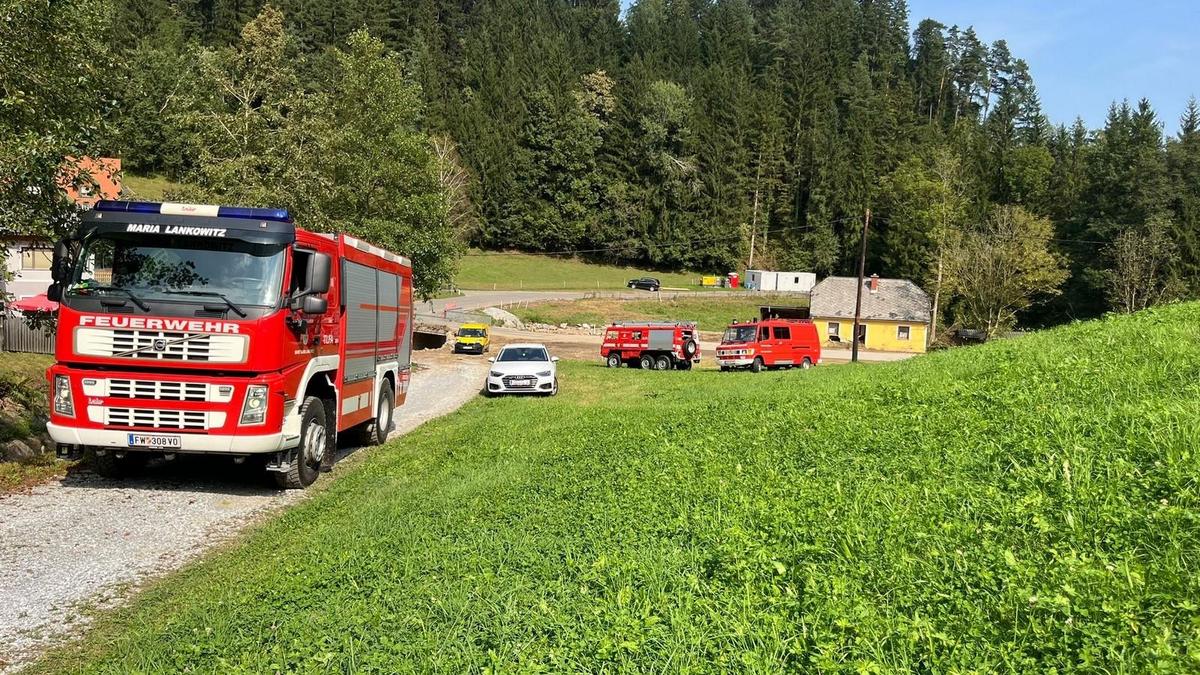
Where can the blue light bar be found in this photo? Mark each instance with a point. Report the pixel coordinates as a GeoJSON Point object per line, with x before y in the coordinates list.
{"type": "Point", "coordinates": [253, 213]}
{"type": "Point", "coordinates": [127, 207]}
{"type": "Point", "coordinates": [247, 212]}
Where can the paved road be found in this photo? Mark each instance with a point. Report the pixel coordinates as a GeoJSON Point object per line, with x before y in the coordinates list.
{"type": "Point", "coordinates": [85, 541]}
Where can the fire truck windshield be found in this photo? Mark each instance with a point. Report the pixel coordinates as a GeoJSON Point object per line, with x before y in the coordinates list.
{"type": "Point", "coordinates": [180, 269]}
{"type": "Point", "coordinates": [739, 334]}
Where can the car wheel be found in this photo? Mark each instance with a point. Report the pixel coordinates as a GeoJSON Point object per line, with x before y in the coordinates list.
{"type": "Point", "coordinates": [647, 362]}
{"type": "Point", "coordinates": [806, 363]}
{"type": "Point", "coordinates": [306, 462]}
{"type": "Point", "coordinates": [614, 360]}
{"type": "Point", "coordinates": [662, 363]}
{"type": "Point", "coordinates": [554, 391]}
{"type": "Point", "coordinates": [758, 366]}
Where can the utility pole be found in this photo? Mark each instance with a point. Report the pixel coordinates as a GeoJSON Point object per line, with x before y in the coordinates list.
{"type": "Point", "coordinates": [862, 272]}
{"type": "Point", "coordinates": [754, 217]}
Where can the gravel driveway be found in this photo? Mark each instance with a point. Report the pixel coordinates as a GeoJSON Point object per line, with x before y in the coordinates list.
{"type": "Point", "coordinates": [85, 542]}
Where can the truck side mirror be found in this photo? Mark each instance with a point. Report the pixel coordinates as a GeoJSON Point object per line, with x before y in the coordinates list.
{"type": "Point", "coordinates": [314, 305]}
{"type": "Point", "coordinates": [319, 272]}
{"type": "Point", "coordinates": [54, 293]}
{"type": "Point", "coordinates": [60, 265]}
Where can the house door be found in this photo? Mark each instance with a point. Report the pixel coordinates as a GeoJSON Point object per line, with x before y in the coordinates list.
{"type": "Point", "coordinates": [862, 334]}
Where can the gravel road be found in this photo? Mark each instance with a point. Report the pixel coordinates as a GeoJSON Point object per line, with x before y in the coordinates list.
{"type": "Point", "coordinates": [84, 542]}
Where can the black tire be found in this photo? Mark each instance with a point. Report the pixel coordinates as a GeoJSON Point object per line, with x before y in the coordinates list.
{"type": "Point", "coordinates": [375, 432]}
{"type": "Point", "coordinates": [554, 391]}
{"type": "Point", "coordinates": [683, 365]}
{"type": "Point", "coordinates": [314, 443]}
{"type": "Point", "coordinates": [758, 366]}
{"type": "Point", "coordinates": [647, 362]}
{"type": "Point", "coordinates": [613, 360]}
{"type": "Point", "coordinates": [725, 369]}
{"type": "Point", "coordinates": [112, 467]}
{"type": "Point", "coordinates": [806, 363]}
{"type": "Point", "coordinates": [689, 348]}
{"type": "Point", "coordinates": [663, 362]}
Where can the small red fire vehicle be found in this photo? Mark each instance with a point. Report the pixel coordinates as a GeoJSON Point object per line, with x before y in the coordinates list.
{"type": "Point", "coordinates": [770, 343]}
{"type": "Point", "coordinates": [193, 328]}
{"type": "Point", "coordinates": [653, 346]}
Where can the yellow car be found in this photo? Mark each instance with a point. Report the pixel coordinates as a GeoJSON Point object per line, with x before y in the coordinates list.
{"type": "Point", "coordinates": [472, 338]}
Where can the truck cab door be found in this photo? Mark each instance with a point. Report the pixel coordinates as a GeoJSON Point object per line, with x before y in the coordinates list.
{"type": "Point", "coordinates": [766, 345]}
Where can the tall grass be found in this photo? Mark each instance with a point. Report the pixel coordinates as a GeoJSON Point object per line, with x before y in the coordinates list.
{"type": "Point", "coordinates": [1025, 506]}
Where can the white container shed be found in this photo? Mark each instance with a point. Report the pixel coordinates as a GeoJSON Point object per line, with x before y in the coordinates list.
{"type": "Point", "coordinates": [786, 282]}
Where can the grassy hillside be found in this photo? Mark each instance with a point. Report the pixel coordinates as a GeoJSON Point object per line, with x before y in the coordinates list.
{"type": "Point", "coordinates": [712, 313]}
{"type": "Point", "coordinates": [508, 271]}
{"type": "Point", "coordinates": [148, 188]}
{"type": "Point", "coordinates": [1025, 506]}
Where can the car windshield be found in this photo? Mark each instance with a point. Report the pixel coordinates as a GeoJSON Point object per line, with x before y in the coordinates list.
{"type": "Point", "coordinates": [174, 267]}
{"type": "Point", "coordinates": [523, 354]}
{"type": "Point", "coordinates": [471, 332]}
{"type": "Point", "coordinates": [739, 334]}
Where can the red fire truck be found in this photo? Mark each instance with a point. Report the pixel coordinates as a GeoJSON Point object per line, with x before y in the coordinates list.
{"type": "Point", "coordinates": [653, 346]}
{"type": "Point", "coordinates": [187, 328]}
{"type": "Point", "coordinates": [770, 343]}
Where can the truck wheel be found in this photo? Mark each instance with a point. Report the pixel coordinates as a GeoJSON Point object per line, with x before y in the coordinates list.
{"type": "Point", "coordinates": [758, 366]}
{"type": "Point", "coordinates": [662, 363]}
{"type": "Point", "coordinates": [375, 432]}
{"type": "Point", "coordinates": [112, 467]}
{"type": "Point", "coordinates": [614, 360]}
{"type": "Point", "coordinates": [306, 460]}
{"type": "Point", "coordinates": [647, 362]}
{"type": "Point", "coordinates": [683, 365]}
{"type": "Point", "coordinates": [806, 363]}
{"type": "Point", "coordinates": [725, 369]}
{"type": "Point", "coordinates": [689, 348]}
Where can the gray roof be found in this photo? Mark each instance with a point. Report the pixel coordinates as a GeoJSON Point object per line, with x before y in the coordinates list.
{"type": "Point", "coordinates": [896, 300]}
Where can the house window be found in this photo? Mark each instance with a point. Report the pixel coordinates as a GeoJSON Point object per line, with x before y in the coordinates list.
{"type": "Point", "coordinates": [783, 333]}
{"type": "Point", "coordinates": [862, 334]}
{"type": "Point", "coordinates": [36, 258]}
{"type": "Point", "coordinates": [797, 281]}
{"type": "Point", "coordinates": [835, 329]}
{"type": "Point", "coordinates": [902, 332]}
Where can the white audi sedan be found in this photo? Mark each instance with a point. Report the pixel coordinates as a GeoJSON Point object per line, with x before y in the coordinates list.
{"type": "Point", "coordinates": [523, 369]}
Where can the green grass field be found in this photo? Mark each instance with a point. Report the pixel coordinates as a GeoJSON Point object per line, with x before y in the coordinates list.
{"type": "Point", "coordinates": [148, 188]}
{"type": "Point", "coordinates": [1024, 506]}
{"type": "Point", "coordinates": [515, 271]}
{"type": "Point", "coordinates": [712, 313]}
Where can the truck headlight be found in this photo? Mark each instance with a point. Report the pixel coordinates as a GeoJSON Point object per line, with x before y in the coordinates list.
{"type": "Point", "coordinates": [254, 410]}
{"type": "Point", "coordinates": [63, 405]}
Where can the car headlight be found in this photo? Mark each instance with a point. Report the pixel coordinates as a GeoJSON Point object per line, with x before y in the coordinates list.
{"type": "Point", "coordinates": [544, 373]}
{"type": "Point", "coordinates": [63, 405]}
{"type": "Point", "coordinates": [254, 410]}
{"type": "Point", "coordinates": [496, 373]}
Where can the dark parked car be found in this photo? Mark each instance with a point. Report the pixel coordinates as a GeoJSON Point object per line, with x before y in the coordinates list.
{"type": "Point", "coordinates": [645, 284]}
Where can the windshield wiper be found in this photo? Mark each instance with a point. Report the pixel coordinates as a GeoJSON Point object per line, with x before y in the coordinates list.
{"type": "Point", "coordinates": [117, 289]}
{"type": "Point", "coordinates": [212, 294]}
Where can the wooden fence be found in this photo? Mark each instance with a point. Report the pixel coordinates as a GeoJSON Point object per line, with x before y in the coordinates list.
{"type": "Point", "coordinates": [19, 337]}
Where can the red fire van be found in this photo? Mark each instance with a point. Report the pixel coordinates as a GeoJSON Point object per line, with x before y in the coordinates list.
{"type": "Point", "coordinates": [770, 343]}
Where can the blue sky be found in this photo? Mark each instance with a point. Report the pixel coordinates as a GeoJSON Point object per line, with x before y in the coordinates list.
{"type": "Point", "coordinates": [1084, 54]}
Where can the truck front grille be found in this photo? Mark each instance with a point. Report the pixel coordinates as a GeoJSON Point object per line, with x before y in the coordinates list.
{"type": "Point", "coordinates": [189, 420]}
{"type": "Point", "coordinates": [163, 391]}
{"type": "Point", "coordinates": [161, 345]}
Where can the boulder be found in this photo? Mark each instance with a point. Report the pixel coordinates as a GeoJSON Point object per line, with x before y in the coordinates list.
{"type": "Point", "coordinates": [15, 451]}
{"type": "Point", "coordinates": [506, 319]}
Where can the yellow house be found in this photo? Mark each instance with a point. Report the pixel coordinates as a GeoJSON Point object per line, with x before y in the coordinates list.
{"type": "Point", "coordinates": [894, 318]}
